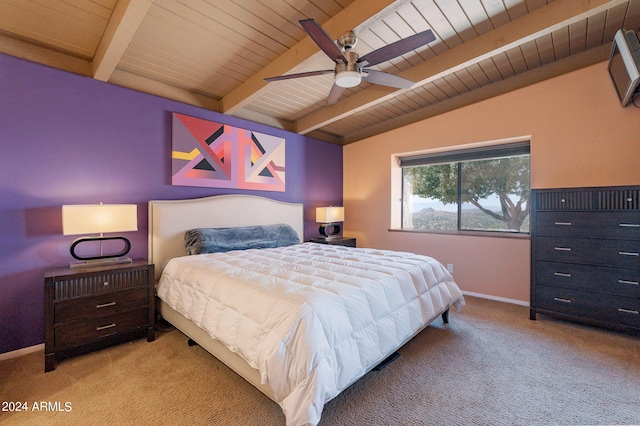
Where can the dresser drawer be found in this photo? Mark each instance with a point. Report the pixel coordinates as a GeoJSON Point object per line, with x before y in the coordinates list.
{"type": "Point", "coordinates": [622, 198]}
{"type": "Point", "coordinates": [612, 225]}
{"type": "Point", "coordinates": [85, 331]}
{"type": "Point", "coordinates": [99, 306]}
{"type": "Point", "coordinates": [623, 282]}
{"type": "Point", "coordinates": [617, 253]}
{"type": "Point", "coordinates": [596, 306]}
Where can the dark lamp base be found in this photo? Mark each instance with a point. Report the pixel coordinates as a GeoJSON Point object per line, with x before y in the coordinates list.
{"type": "Point", "coordinates": [101, 259]}
{"type": "Point", "coordinates": [330, 230]}
{"type": "Point", "coordinates": [100, 262]}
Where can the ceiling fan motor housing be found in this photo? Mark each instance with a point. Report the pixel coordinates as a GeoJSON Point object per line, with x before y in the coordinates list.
{"type": "Point", "coordinates": [348, 41]}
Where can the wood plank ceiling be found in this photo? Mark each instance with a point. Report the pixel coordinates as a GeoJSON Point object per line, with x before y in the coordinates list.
{"type": "Point", "coordinates": [216, 53]}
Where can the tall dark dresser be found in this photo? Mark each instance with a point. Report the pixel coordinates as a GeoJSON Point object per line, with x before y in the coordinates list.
{"type": "Point", "coordinates": [585, 255]}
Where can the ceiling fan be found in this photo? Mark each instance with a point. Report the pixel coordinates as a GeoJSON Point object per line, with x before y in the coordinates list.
{"type": "Point", "coordinates": [349, 70]}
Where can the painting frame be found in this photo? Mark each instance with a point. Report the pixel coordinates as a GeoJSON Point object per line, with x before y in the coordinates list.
{"type": "Point", "coordinates": [217, 155]}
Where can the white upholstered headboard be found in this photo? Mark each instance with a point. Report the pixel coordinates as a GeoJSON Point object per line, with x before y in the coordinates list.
{"type": "Point", "coordinates": [169, 219]}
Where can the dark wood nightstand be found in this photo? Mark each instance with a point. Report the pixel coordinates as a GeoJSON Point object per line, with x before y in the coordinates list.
{"type": "Point", "coordinates": [93, 307]}
{"type": "Point", "coordinates": [338, 241]}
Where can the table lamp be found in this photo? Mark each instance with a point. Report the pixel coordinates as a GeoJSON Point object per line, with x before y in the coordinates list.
{"type": "Point", "coordinates": [328, 216]}
{"type": "Point", "coordinates": [95, 219]}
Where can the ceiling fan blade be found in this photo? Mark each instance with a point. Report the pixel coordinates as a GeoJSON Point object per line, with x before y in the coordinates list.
{"type": "Point", "coordinates": [322, 39]}
{"type": "Point", "coordinates": [379, 77]}
{"type": "Point", "coordinates": [398, 48]}
{"type": "Point", "coordinates": [334, 95]}
{"type": "Point", "coordinates": [298, 75]}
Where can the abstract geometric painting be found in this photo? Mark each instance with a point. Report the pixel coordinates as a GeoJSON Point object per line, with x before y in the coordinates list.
{"type": "Point", "coordinates": [206, 153]}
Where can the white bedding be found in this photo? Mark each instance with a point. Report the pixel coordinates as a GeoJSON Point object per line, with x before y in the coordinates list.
{"type": "Point", "coordinates": [311, 318]}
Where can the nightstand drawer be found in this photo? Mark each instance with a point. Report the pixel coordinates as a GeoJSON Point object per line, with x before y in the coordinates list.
{"type": "Point", "coordinates": [94, 307]}
{"type": "Point", "coordinates": [617, 253]}
{"type": "Point", "coordinates": [611, 225]}
{"type": "Point", "coordinates": [623, 282]}
{"type": "Point", "coordinates": [98, 283]}
{"type": "Point", "coordinates": [85, 331]}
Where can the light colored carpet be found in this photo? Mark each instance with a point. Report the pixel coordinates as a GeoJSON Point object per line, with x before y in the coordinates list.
{"type": "Point", "coordinates": [490, 366]}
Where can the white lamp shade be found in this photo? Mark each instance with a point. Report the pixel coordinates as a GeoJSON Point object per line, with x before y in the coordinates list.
{"type": "Point", "coordinates": [329, 214]}
{"type": "Point", "coordinates": [99, 218]}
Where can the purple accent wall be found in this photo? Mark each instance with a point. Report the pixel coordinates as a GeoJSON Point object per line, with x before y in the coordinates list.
{"type": "Point", "coordinates": [68, 139]}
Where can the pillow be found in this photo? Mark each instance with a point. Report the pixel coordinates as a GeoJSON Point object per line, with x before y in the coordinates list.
{"type": "Point", "coordinates": [216, 240]}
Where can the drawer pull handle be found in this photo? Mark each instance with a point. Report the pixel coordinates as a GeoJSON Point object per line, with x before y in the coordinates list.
{"type": "Point", "coordinates": [104, 327]}
{"type": "Point", "coordinates": [559, 299]}
{"type": "Point", "coordinates": [562, 248]}
{"type": "Point", "coordinates": [628, 282]}
{"type": "Point", "coordinates": [628, 311]}
{"type": "Point", "coordinates": [564, 223]}
{"type": "Point", "coordinates": [562, 274]}
{"type": "Point", "coordinates": [628, 253]}
{"type": "Point", "coordinates": [630, 225]}
{"type": "Point", "coordinates": [104, 305]}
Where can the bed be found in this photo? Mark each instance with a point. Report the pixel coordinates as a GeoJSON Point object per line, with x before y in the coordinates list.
{"type": "Point", "coordinates": [299, 321]}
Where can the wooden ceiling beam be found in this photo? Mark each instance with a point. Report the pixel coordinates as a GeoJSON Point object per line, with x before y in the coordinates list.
{"type": "Point", "coordinates": [122, 26]}
{"type": "Point", "coordinates": [44, 55]}
{"type": "Point", "coordinates": [545, 20]}
{"type": "Point", "coordinates": [143, 84]}
{"type": "Point", "coordinates": [349, 18]}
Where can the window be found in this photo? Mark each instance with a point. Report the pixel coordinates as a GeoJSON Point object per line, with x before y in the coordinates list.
{"type": "Point", "coordinates": [481, 189]}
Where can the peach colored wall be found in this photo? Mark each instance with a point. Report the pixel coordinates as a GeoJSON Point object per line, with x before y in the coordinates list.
{"type": "Point", "coordinates": [580, 136]}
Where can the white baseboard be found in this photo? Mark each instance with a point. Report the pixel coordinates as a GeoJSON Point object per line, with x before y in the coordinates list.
{"type": "Point", "coordinates": [496, 298]}
{"type": "Point", "coordinates": [20, 352]}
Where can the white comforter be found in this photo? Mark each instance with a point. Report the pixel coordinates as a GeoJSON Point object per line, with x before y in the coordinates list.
{"type": "Point", "coordinates": [311, 318]}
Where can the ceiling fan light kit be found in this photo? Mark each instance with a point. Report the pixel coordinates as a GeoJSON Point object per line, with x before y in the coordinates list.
{"type": "Point", "coordinates": [348, 78]}
{"type": "Point", "coordinates": [348, 71]}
